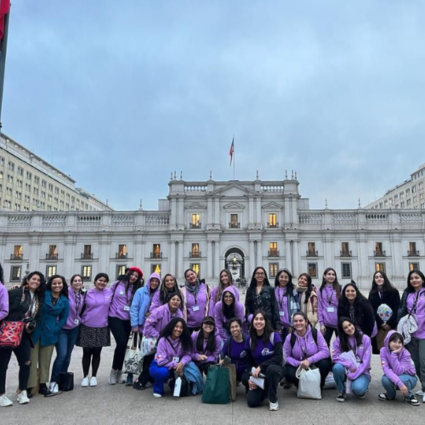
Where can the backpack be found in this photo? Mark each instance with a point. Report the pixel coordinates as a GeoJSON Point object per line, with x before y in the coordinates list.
{"type": "Point", "coordinates": [294, 338]}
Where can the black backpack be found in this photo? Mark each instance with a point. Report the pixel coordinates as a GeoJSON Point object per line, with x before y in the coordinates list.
{"type": "Point", "coordinates": [294, 338]}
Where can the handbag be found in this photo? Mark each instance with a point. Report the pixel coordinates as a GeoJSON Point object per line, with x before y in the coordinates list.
{"type": "Point", "coordinates": [11, 334]}
{"type": "Point", "coordinates": [309, 383]}
{"type": "Point", "coordinates": [232, 380]}
{"type": "Point", "coordinates": [217, 386]}
{"type": "Point", "coordinates": [132, 360]}
{"type": "Point", "coordinates": [66, 381]}
{"type": "Point", "coordinates": [147, 347]}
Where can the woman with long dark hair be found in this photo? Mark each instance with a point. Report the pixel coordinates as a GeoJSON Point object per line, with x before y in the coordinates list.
{"type": "Point", "coordinates": [119, 320]}
{"type": "Point", "coordinates": [226, 281]}
{"type": "Point", "coordinates": [287, 300]}
{"type": "Point", "coordinates": [260, 295]}
{"type": "Point", "coordinates": [356, 367]}
{"type": "Point", "coordinates": [265, 358]}
{"type": "Point", "coordinates": [24, 305]}
{"type": "Point", "coordinates": [327, 304]}
{"type": "Point", "coordinates": [225, 310]}
{"type": "Point", "coordinates": [307, 298]}
{"type": "Point", "coordinates": [168, 286]}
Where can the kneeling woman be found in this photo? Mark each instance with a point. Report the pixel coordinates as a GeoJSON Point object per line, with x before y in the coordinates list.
{"type": "Point", "coordinates": [206, 345]}
{"type": "Point", "coordinates": [356, 370]}
{"type": "Point", "coordinates": [172, 355]}
{"type": "Point", "coordinates": [265, 354]}
{"type": "Point", "coordinates": [304, 348]}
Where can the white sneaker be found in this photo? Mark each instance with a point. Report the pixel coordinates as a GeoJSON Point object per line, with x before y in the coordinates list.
{"type": "Point", "coordinates": [274, 406]}
{"type": "Point", "coordinates": [85, 382]}
{"type": "Point", "coordinates": [93, 381]}
{"type": "Point", "coordinates": [423, 398]}
{"type": "Point", "coordinates": [156, 395]}
{"type": "Point", "coordinates": [120, 378]}
{"type": "Point", "coordinates": [5, 401]}
{"type": "Point", "coordinates": [23, 398]}
{"type": "Point", "coordinates": [112, 377]}
{"type": "Point", "coordinates": [53, 390]}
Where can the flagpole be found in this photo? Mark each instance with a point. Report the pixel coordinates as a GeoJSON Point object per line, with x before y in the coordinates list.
{"type": "Point", "coordinates": [3, 59]}
{"type": "Point", "coordinates": [234, 159]}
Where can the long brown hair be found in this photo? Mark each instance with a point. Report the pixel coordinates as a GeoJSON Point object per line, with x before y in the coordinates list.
{"type": "Point", "coordinates": [335, 286]}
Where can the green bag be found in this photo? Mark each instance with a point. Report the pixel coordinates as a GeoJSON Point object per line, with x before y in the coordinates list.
{"type": "Point", "coordinates": [217, 386]}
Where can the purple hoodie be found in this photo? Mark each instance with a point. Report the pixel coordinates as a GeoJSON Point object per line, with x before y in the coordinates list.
{"type": "Point", "coordinates": [327, 306]}
{"type": "Point", "coordinates": [220, 319]}
{"type": "Point", "coordinates": [158, 320]}
{"type": "Point", "coordinates": [211, 357]}
{"type": "Point", "coordinates": [214, 297]}
{"type": "Point", "coordinates": [195, 308]}
{"type": "Point", "coordinates": [121, 301]}
{"type": "Point", "coordinates": [305, 348]}
{"type": "Point", "coordinates": [363, 353]}
{"type": "Point", "coordinates": [96, 311]}
{"type": "Point", "coordinates": [75, 307]}
{"type": "Point", "coordinates": [168, 349]}
{"type": "Point", "coordinates": [420, 312]}
{"type": "Point", "coordinates": [4, 302]}
{"type": "Point", "coordinates": [396, 364]}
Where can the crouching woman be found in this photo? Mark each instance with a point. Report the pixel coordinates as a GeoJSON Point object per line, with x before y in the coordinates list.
{"type": "Point", "coordinates": [172, 355]}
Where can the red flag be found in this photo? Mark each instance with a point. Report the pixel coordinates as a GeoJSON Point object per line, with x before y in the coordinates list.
{"type": "Point", "coordinates": [4, 10]}
{"type": "Point", "coordinates": [232, 149]}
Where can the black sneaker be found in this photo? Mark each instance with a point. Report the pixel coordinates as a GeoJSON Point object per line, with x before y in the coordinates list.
{"type": "Point", "coordinates": [29, 393]}
{"type": "Point", "coordinates": [412, 400]}
{"type": "Point", "coordinates": [384, 397]}
{"type": "Point", "coordinates": [341, 397]}
{"type": "Point", "coordinates": [43, 389]}
{"type": "Point", "coordinates": [129, 380]}
{"type": "Point", "coordinates": [139, 386]}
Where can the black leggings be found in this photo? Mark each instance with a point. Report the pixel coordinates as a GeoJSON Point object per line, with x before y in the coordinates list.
{"type": "Point", "coordinates": [91, 355]}
{"type": "Point", "coordinates": [203, 367]}
{"type": "Point", "coordinates": [121, 331]}
{"type": "Point", "coordinates": [145, 376]}
{"type": "Point", "coordinates": [324, 366]}
{"type": "Point", "coordinates": [328, 334]}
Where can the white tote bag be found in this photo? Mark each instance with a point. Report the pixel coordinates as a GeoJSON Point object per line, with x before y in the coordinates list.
{"type": "Point", "coordinates": [309, 383]}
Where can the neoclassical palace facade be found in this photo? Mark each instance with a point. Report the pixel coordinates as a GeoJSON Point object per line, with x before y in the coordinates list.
{"type": "Point", "coordinates": [210, 225]}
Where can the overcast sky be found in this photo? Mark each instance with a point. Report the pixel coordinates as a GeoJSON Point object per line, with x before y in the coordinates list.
{"type": "Point", "coordinates": [119, 94]}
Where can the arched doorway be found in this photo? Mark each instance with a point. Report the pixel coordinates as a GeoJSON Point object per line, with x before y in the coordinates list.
{"type": "Point", "coordinates": [234, 260]}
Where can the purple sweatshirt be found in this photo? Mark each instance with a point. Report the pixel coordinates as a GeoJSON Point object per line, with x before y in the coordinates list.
{"type": "Point", "coordinates": [75, 306]}
{"type": "Point", "coordinates": [158, 320]}
{"type": "Point", "coordinates": [305, 348]}
{"type": "Point", "coordinates": [196, 308]}
{"type": "Point", "coordinates": [236, 352]}
{"type": "Point", "coordinates": [121, 301]}
{"type": "Point", "coordinates": [363, 352]}
{"type": "Point", "coordinates": [213, 301]}
{"type": "Point", "coordinates": [211, 357]}
{"type": "Point", "coordinates": [221, 320]}
{"type": "Point", "coordinates": [4, 302]}
{"type": "Point", "coordinates": [97, 304]}
{"type": "Point", "coordinates": [282, 303]}
{"type": "Point", "coordinates": [167, 350]}
{"type": "Point", "coordinates": [396, 364]}
{"type": "Point", "coordinates": [327, 306]}
{"type": "Point", "coordinates": [263, 352]}
{"type": "Point", "coordinates": [420, 312]}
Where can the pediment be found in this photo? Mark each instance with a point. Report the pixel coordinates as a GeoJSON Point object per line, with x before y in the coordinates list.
{"type": "Point", "coordinates": [272, 206]}
{"type": "Point", "coordinates": [234, 206]}
{"type": "Point", "coordinates": [195, 206]}
{"type": "Point", "coordinates": [233, 190]}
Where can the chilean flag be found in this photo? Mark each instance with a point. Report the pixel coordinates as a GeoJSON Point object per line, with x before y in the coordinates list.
{"type": "Point", "coordinates": [232, 149]}
{"type": "Point", "coordinates": [4, 10]}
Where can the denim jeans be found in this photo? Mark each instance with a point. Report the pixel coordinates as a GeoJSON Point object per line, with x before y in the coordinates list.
{"type": "Point", "coordinates": [359, 385]}
{"type": "Point", "coordinates": [160, 374]}
{"type": "Point", "coordinates": [408, 380]}
{"type": "Point", "coordinates": [64, 347]}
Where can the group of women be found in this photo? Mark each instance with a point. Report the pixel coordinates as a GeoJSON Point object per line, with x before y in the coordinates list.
{"type": "Point", "coordinates": [184, 330]}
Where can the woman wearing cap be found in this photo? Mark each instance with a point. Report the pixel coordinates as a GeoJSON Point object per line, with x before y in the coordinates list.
{"type": "Point", "coordinates": [168, 285]}
{"type": "Point", "coordinates": [265, 359]}
{"type": "Point", "coordinates": [307, 297]}
{"type": "Point", "coordinates": [119, 320]}
{"type": "Point", "coordinates": [226, 281]}
{"type": "Point", "coordinates": [196, 299]}
{"type": "Point", "coordinates": [94, 330]}
{"type": "Point", "coordinates": [154, 324]}
{"type": "Point", "coordinates": [206, 345]}
{"type": "Point", "coordinates": [226, 309]}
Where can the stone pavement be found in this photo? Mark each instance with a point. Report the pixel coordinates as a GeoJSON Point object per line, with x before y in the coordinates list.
{"type": "Point", "coordinates": [120, 405]}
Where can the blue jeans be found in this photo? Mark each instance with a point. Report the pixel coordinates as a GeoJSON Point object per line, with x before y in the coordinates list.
{"type": "Point", "coordinates": [64, 346]}
{"type": "Point", "coordinates": [408, 380]}
{"type": "Point", "coordinates": [359, 385]}
{"type": "Point", "coordinates": [160, 374]}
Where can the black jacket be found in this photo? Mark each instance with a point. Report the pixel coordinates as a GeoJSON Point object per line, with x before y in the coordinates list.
{"type": "Point", "coordinates": [266, 300]}
{"type": "Point", "coordinates": [364, 317]}
{"type": "Point", "coordinates": [392, 300]}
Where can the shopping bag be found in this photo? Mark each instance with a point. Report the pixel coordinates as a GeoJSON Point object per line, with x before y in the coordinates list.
{"type": "Point", "coordinates": [330, 382]}
{"type": "Point", "coordinates": [217, 386]}
{"type": "Point", "coordinates": [66, 381]}
{"type": "Point", "coordinates": [309, 383]}
{"type": "Point", "coordinates": [132, 360]}
{"type": "Point", "coordinates": [147, 347]}
{"type": "Point", "coordinates": [232, 380]}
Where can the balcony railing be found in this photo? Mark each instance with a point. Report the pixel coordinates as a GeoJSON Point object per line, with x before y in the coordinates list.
{"type": "Point", "coordinates": [378, 253]}
{"type": "Point", "coordinates": [345, 254]}
{"type": "Point", "coordinates": [121, 255]}
{"type": "Point", "coordinates": [234, 225]}
{"type": "Point", "coordinates": [195, 254]}
{"type": "Point", "coordinates": [195, 225]}
{"type": "Point", "coordinates": [412, 253]}
{"type": "Point", "coordinates": [311, 253]}
{"type": "Point", "coordinates": [52, 256]}
{"type": "Point", "coordinates": [87, 256]}
{"type": "Point", "coordinates": [16, 256]}
{"type": "Point", "coordinates": [272, 225]}
{"type": "Point", "coordinates": [273, 253]}
{"type": "Point", "coordinates": [156, 254]}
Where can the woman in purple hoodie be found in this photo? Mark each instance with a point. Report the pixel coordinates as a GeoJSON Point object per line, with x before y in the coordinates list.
{"type": "Point", "coordinates": [305, 347]}
{"type": "Point", "coordinates": [172, 355]}
{"type": "Point", "coordinates": [226, 281]}
{"type": "Point", "coordinates": [351, 353]}
{"type": "Point", "coordinates": [94, 330]}
{"type": "Point", "coordinates": [123, 292]}
{"type": "Point", "coordinates": [399, 371]}
{"type": "Point", "coordinates": [228, 308]}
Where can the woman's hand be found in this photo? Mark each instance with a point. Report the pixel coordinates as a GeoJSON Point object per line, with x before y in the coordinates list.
{"type": "Point", "coordinates": [305, 364]}
{"type": "Point", "coordinates": [256, 372]}
{"type": "Point", "coordinates": [135, 329]}
{"type": "Point", "coordinates": [179, 368]}
{"type": "Point", "coordinates": [251, 385]}
{"type": "Point", "coordinates": [323, 329]}
{"type": "Point", "coordinates": [202, 357]}
{"type": "Point", "coordinates": [353, 368]}
{"type": "Point", "coordinates": [404, 390]}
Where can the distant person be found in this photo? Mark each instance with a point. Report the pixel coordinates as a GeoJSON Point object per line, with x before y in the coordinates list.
{"type": "Point", "coordinates": [307, 298]}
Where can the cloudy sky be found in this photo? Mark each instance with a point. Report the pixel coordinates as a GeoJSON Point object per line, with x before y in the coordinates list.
{"type": "Point", "coordinates": [119, 94]}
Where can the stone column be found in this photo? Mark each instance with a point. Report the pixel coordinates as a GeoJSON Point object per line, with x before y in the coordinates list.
{"type": "Point", "coordinates": [172, 261]}
{"type": "Point", "coordinates": [209, 260]}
